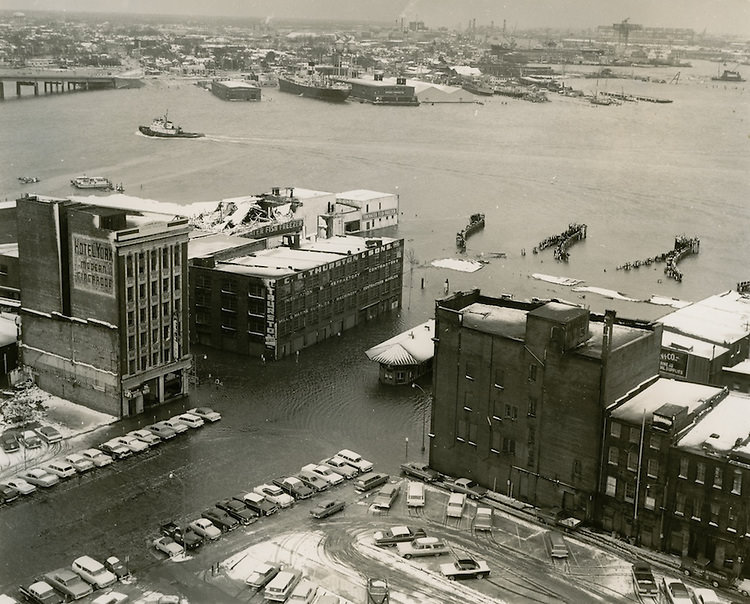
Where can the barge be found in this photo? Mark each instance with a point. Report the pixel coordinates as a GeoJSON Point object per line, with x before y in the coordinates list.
{"type": "Point", "coordinates": [476, 222]}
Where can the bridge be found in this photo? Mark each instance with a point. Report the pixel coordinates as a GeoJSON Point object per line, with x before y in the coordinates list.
{"type": "Point", "coordinates": [60, 82]}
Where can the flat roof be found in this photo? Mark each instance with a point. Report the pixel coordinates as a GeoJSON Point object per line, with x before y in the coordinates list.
{"type": "Point", "coordinates": [202, 244]}
{"type": "Point", "coordinates": [722, 318]}
{"type": "Point", "coordinates": [621, 335]}
{"type": "Point", "coordinates": [694, 346]}
{"type": "Point", "coordinates": [9, 249]}
{"type": "Point", "coordinates": [497, 320]}
{"type": "Point", "coordinates": [236, 84]}
{"type": "Point", "coordinates": [662, 392]}
{"type": "Point", "coordinates": [721, 427]}
{"type": "Point", "coordinates": [362, 195]}
{"type": "Point", "coordinates": [6, 205]}
{"type": "Point", "coordinates": [558, 312]}
{"type": "Point", "coordinates": [740, 368]}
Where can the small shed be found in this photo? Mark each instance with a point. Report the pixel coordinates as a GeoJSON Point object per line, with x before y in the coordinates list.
{"type": "Point", "coordinates": [407, 356]}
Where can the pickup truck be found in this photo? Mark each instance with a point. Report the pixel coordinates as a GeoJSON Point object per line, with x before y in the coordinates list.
{"type": "Point", "coordinates": [40, 592]}
{"type": "Point", "coordinates": [465, 568]}
{"type": "Point", "coordinates": [186, 537]}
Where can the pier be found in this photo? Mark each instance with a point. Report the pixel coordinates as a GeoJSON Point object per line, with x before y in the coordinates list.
{"type": "Point", "coordinates": [476, 222]}
{"type": "Point", "coordinates": [621, 96]}
{"type": "Point", "coordinates": [61, 82]}
{"type": "Point", "coordinates": [683, 246]}
{"type": "Point", "coordinates": [574, 232]}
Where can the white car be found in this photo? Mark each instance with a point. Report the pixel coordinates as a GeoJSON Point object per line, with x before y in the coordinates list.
{"type": "Point", "coordinates": [131, 442]}
{"type": "Point", "coordinates": [324, 472]}
{"type": "Point", "coordinates": [205, 528]}
{"type": "Point", "coordinates": [146, 436]}
{"type": "Point", "coordinates": [168, 546]}
{"type": "Point", "coordinates": [20, 485]}
{"type": "Point", "coordinates": [355, 459]}
{"type": "Point", "coordinates": [113, 597]}
{"type": "Point", "coordinates": [60, 468]}
{"type": "Point", "coordinates": [79, 462]}
{"type": "Point", "coordinates": [176, 425]}
{"type": "Point", "coordinates": [205, 413]}
{"type": "Point", "coordinates": [39, 477]}
{"type": "Point", "coordinates": [191, 420]}
{"type": "Point", "coordinates": [340, 466]}
{"type": "Point", "coordinates": [98, 458]}
{"type": "Point", "coordinates": [275, 494]}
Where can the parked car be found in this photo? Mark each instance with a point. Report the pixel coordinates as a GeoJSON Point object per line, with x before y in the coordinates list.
{"type": "Point", "coordinates": [465, 567]}
{"type": "Point", "coordinates": [92, 571]}
{"type": "Point", "coordinates": [60, 468]}
{"type": "Point", "coordinates": [468, 487]}
{"type": "Point", "coordinates": [377, 591]}
{"type": "Point", "coordinates": [262, 574]}
{"type": "Point", "coordinates": [176, 425]}
{"type": "Point", "coordinates": [238, 510]}
{"type": "Point", "coordinates": [79, 462]}
{"type": "Point", "coordinates": [114, 565]}
{"type": "Point", "coordinates": [221, 520]}
{"type": "Point", "coordinates": [113, 597]}
{"type": "Point", "coordinates": [398, 534]}
{"type": "Point", "coordinates": [168, 546]}
{"type": "Point", "coordinates": [675, 591]}
{"type": "Point", "coordinates": [703, 570]}
{"type": "Point", "coordinates": [327, 508]}
{"type": "Point", "coordinates": [115, 449]}
{"type": "Point", "coordinates": [275, 494]}
{"type": "Point", "coordinates": [743, 586]}
{"type": "Point", "coordinates": [424, 546]}
{"type": "Point", "coordinates": [205, 413]}
{"type": "Point", "coordinates": [294, 487]}
{"type": "Point", "coordinates": [146, 436]}
{"type": "Point", "coordinates": [30, 439]}
{"type": "Point", "coordinates": [19, 484]}
{"type": "Point", "coordinates": [643, 580]}
{"type": "Point", "coordinates": [355, 459]}
{"type": "Point", "coordinates": [205, 528]}
{"type": "Point", "coordinates": [303, 593]}
{"type": "Point", "coordinates": [703, 595]}
{"type": "Point", "coordinates": [186, 536]}
{"type": "Point", "coordinates": [324, 472]}
{"type": "Point", "coordinates": [420, 470]}
{"type": "Point", "coordinates": [385, 497]}
{"type": "Point", "coordinates": [482, 519]}
{"type": "Point", "coordinates": [9, 441]}
{"type": "Point", "coordinates": [455, 506]}
{"type": "Point", "coordinates": [39, 477]}
{"type": "Point", "coordinates": [49, 434]}
{"type": "Point", "coordinates": [98, 458]}
{"type": "Point", "coordinates": [279, 588]}
{"type": "Point", "coordinates": [161, 430]}
{"type": "Point", "coordinates": [190, 420]}
{"type": "Point", "coordinates": [8, 493]}
{"type": "Point", "coordinates": [259, 504]}
{"type": "Point", "coordinates": [68, 583]}
{"type": "Point", "coordinates": [340, 466]}
{"type": "Point", "coordinates": [136, 445]}
{"type": "Point", "coordinates": [40, 592]}
{"type": "Point", "coordinates": [313, 481]}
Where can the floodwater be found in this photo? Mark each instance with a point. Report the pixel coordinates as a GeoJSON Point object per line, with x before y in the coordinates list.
{"type": "Point", "coordinates": [637, 174]}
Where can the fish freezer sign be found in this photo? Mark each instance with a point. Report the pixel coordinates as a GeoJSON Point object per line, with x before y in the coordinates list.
{"type": "Point", "coordinates": [673, 362]}
{"type": "Point", "coordinates": [93, 265]}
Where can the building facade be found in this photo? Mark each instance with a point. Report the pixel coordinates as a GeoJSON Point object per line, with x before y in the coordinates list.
{"type": "Point", "coordinates": [520, 390]}
{"type": "Point", "coordinates": [10, 278]}
{"type": "Point", "coordinates": [103, 303]}
{"type": "Point", "coordinates": [277, 301]}
{"type": "Point", "coordinates": [235, 90]}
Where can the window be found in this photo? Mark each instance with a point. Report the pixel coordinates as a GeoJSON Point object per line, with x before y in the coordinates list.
{"type": "Point", "coordinates": [629, 492]}
{"type": "Point", "coordinates": [655, 441]}
{"type": "Point", "coordinates": [635, 434]}
{"type": "Point", "coordinates": [165, 284]}
{"type": "Point", "coordinates": [737, 483]}
{"type": "Point", "coordinates": [141, 290]}
{"type": "Point", "coordinates": [613, 456]}
{"type": "Point", "coordinates": [155, 359]}
{"type": "Point", "coordinates": [679, 504]}
{"type": "Point", "coordinates": [700, 473]}
{"type": "Point", "coordinates": [532, 372]}
{"type": "Point", "coordinates": [131, 342]}
{"type": "Point", "coordinates": [532, 406]}
{"type": "Point", "coordinates": [718, 477]}
{"type": "Point", "coordinates": [611, 489]}
{"type": "Point", "coordinates": [166, 332]}
{"type": "Point", "coordinates": [155, 334]}
{"type": "Point", "coordinates": [176, 255]}
{"type": "Point", "coordinates": [653, 468]}
{"type": "Point", "coordinates": [649, 502]}
{"type": "Point", "coordinates": [154, 288]}
{"type": "Point", "coordinates": [632, 461]}
{"type": "Point", "coordinates": [715, 508]}
{"type": "Point", "coordinates": [509, 446]}
{"type": "Point", "coordinates": [131, 318]}
{"type": "Point", "coordinates": [470, 371]}
{"type": "Point", "coordinates": [496, 440]}
{"type": "Point", "coordinates": [697, 508]}
{"type": "Point", "coordinates": [732, 519]}
{"type": "Point", "coordinates": [499, 378]}
{"type": "Point", "coordinates": [684, 465]}
{"type": "Point", "coordinates": [131, 366]}
{"type": "Point", "coordinates": [131, 293]}
{"type": "Point", "coordinates": [153, 260]}
{"type": "Point", "coordinates": [614, 429]}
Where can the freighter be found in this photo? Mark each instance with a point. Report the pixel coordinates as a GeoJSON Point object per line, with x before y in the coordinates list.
{"type": "Point", "coordinates": [315, 87]}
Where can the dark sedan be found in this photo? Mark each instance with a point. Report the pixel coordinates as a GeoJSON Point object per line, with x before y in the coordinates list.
{"type": "Point", "coordinates": [237, 509]}
{"type": "Point", "coordinates": [9, 441]}
{"type": "Point", "coordinates": [221, 519]}
{"type": "Point", "coordinates": [8, 493]}
{"type": "Point", "coordinates": [420, 470]}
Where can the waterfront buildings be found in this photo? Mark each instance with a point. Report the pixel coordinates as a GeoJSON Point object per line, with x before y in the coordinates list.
{"type": "Point", "coordinates": [383, 91]}
{"type": "Point", "coordinates": [274, 302]}
{"type": "Point", "coordinates": [520, 390]}
{"type": "Point", "coordinates": [235, 90]}
{"type": "Point", "coordinates": [103, 303]}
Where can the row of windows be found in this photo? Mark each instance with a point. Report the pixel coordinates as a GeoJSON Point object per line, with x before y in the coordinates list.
{"type": "Point", "coordinates": [154, 290]}
{"type": "Point", "coordinates": [633, 434]}
{"type": "Point", "coordinates": [147, 361]}
{"type": "Point", "coordinates": [631, 457]}
{"type": "Point", "coordinates": [717, 478]}
{"type": "Point", "coordinates": [471, 372]}
{"type": "Point", "coordinates": [153, 258]}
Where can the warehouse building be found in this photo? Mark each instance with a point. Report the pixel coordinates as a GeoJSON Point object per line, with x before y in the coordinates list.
{"type": "Point", "coordinates": [235, 90]}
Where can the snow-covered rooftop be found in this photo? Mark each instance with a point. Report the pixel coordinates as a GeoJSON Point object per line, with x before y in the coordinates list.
{"type": "Point", "coordinates": [695, 347]}
{"type": "Point", "coordinates": [411, 347]}
{"type": "Point", "coordinates": [362, 195]}
{"type": "Point", "coordinates": [664, 392]}
{"type": "Point", "coordinates": [722, 318]}
{"type": "Point", "coordinates": [9, 249]}
{"type": "Point", "coordinates": [741, 368]}
{"type": "Point", "coordinates": [8, 331]}
{"type": "Point", "coordinates": [723, 428]}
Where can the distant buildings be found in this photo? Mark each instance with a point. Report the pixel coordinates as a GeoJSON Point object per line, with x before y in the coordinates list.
{"type": "Point", "coordinates": [104, 303]}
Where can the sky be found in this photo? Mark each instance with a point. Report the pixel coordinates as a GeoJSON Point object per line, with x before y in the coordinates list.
{"type": "Point", "coordinates": [714, 16]}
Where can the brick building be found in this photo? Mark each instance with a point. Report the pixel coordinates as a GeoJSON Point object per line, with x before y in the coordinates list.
{"type": "Point", "coordinates": [277, 301]}
{"type": "Point", "coordinates": [520, 390]}
{"type": "Point", "coordinates": [103, 303]}
{"type": "Point", "coordinates": [10, 279]}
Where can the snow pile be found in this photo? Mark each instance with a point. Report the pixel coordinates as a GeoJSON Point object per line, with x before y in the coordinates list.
{"type": "Point", "coordinates": [465, 266]}
{"type": "Point", "coordinates": [607, 293]}
{"type": "Point", "coordinates": [567, 281]}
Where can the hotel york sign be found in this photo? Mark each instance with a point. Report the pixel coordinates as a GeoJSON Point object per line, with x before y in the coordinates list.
{"type": "Point", "coordinates": [93, 266]}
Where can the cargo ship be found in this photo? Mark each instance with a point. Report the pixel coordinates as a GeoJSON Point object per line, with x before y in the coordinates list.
{"type": "Point", "coordinates": [162, 127]}
{"type": "Point", "coordinates": [315, 87]}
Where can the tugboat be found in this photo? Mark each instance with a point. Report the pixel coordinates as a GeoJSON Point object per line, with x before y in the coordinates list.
{"type": "Point", "coordinates": [162, 127]}
{"type": "Point", "coordinates": [92, 182]}
{"type": "Point", "coordinates": [27, 180]}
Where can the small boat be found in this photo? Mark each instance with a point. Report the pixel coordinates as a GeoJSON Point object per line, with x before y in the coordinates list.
{"type": "Point", "coordinates": [92, 182]}
{"type": "Point", "coordinates": [27, 180]}
{"type": "Point", "coordinates": [163, 127]}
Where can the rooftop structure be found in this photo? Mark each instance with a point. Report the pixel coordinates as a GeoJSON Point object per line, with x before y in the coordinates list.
{"type": "Point", "coordinates": [406, 356]}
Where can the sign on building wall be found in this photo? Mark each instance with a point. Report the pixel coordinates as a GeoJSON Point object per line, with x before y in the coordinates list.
{"type": "Point", "coordinates": [93, 265]}
{"type": "Point", "coordinates": [673, 362]}
{"type": "Point", "coordinates": [271, 314]}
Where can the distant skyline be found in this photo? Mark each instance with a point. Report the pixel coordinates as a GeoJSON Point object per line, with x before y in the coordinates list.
{"type": "Point", "coordinates": [713, 16]}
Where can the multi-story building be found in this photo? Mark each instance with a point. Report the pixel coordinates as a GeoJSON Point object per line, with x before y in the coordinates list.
{"type": "Point", "coordinates": [520, 390]}
{"type": "Point", "coordinates": [639, 432]}
{"type": "Point", "coordinates": [10, 280]}
{"type": "Point", "coordinates": [277, 301]}
{"type": "Point", "coordinates": [360, 211]}
{"type": "Point", "coordinates": [103, 303]}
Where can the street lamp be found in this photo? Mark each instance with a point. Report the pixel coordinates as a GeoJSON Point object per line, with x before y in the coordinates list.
{"type": "Point", "coordinates": [424, 411]}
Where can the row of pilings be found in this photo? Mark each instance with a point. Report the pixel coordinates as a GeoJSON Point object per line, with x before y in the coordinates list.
{"type": "Point", "coordinates": [683, 246]}
{"type": "Point", "coordinates": [574, 232]}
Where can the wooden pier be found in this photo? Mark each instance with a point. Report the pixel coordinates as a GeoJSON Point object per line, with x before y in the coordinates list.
{"type": "Point", "coordinates": [61, 82]}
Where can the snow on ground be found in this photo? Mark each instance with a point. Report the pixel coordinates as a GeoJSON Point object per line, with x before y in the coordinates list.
{"type": "Point", "coordinates": [567, 281]}
{"type": "Point", "coordinates": [607, 293]}
{"type": "Point", "coordinates": [465, 266]}
{"type": "Point", "coordinates": [673, 302]}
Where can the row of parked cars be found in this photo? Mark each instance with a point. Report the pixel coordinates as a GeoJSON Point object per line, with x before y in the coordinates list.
{"type": "Point", "coordinates": [287, 584]}
{"type": "Point", "coordinates": [264, 500]}
{"type": "Point", "coordinates": [33, 436]}
{"type": "Point", "coordinates": [51, 473]}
